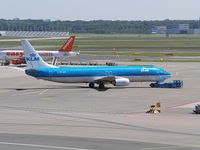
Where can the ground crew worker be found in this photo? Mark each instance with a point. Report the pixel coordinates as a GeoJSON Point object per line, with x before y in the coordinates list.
{"type": "Point", "coordinates": [152, 109]}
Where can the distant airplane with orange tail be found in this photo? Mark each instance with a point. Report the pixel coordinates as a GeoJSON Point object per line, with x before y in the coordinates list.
{"type": "Point", "coordinates": [17, 56]}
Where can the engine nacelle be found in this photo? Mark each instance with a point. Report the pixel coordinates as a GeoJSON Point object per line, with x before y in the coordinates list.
{"type": "Point", "coordinates": [121, 82]}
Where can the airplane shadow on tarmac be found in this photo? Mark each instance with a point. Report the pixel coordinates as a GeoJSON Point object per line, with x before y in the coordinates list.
{"type": "Point", "coordinates": [62, 88]}
{"type": "Point", "coordinates": [70, 87]}
{"type": "Point", "coordinates": [107, 88]}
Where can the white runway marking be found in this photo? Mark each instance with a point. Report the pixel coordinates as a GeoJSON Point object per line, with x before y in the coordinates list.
{"type": "Point", "coordinates": [4, 91]}
{"type": "Point", "coordinates": [43, 92]}
{"type": "Point", "coordinates": [41, 146]}
{"type": "Point", "coordinates": [26, 93]}
{"type": "Point", "coordinates": [172, 147]}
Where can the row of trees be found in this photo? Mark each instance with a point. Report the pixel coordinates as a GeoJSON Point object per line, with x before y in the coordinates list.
{"type": "Point", "coordinates": [95, 26]}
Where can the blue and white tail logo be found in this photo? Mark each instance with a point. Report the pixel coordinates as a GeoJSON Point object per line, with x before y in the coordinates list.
{"type": "Point", "coordinates": [32, 57]}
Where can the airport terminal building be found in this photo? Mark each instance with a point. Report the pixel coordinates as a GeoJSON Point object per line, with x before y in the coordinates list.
{"type": "Point", "coordinates": [178, 29]}
{"type": "Point", "coordinates": [33, 33]}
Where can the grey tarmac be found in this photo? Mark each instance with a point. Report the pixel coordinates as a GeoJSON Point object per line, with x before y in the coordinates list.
{"type": "Point", "coordinates": [37, 114]}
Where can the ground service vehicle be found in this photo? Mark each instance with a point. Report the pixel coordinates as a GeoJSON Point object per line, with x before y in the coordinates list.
{"type": "Point", "coordinates": [174, 84]}
{"type": "Point", "coordinates": [197, 109]}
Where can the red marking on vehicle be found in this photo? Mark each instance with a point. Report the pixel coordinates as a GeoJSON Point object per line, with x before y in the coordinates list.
{"type": "Point", "coordinates": [180, 105]}
{"type": "Point", "coordinates": [16, 61]}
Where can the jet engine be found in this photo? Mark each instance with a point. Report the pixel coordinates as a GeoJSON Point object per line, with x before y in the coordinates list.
{"type": "Point", "coordinates": [121, 82]}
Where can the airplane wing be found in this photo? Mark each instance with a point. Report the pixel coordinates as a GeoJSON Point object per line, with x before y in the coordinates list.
{"type": "Point", "coordinates": [116, 81]}
{"type": "Point", "coordinates": [106, 79]}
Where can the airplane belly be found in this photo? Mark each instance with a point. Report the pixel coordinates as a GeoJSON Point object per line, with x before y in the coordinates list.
{"type": "Point", "coordinates": [151, 78]}
{"type": "Point", "coordinates": [68, 79]}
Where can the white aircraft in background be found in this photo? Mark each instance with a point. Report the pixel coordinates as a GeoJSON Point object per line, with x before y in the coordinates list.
{"type": "Point", "coordinates": [17, 56]}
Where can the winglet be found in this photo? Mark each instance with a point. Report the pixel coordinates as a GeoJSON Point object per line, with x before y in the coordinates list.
{"type": "Point", "coordinates": [68, 45]}
{"type": "Point", "coordinates": [32, 58]}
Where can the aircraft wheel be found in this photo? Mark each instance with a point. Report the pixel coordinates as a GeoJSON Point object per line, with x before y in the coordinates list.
{"type": "Point", "coordinates": [101, 86]}
{"type": "Point", "coordinates": [152, 85]}
{"type": "Point", "coordinates": [91, 85]}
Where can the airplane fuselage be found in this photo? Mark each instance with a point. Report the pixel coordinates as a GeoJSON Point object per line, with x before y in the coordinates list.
{"type": "Point", "coordinates": [46, 55]}
{"type": "Point", "coordinates": [115, 75]}
{"type": "Point", "coordinates": [93, 74]}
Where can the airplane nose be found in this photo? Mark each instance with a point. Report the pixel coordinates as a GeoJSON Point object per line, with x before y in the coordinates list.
{"type": "Point", "coordinates": [168, 75]}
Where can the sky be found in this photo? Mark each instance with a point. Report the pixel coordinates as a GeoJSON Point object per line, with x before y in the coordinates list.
{"type": "Point", "coordinates": [100, 9]}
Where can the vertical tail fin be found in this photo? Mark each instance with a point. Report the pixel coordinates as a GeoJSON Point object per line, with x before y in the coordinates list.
{"type": "Point", "coordinates": [32, 58]}
{"type": "Point", "coordinates": [68, 45]}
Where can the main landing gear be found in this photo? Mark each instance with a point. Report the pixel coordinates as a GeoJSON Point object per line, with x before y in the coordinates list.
{"type": "Point", "coordinates": [101, 85]}
{"type": "Point", "coordinates": [91, 85]}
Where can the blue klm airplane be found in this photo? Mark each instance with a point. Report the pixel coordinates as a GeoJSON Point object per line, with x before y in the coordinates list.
{"type": "Point", "coordinates": [116, 75]}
